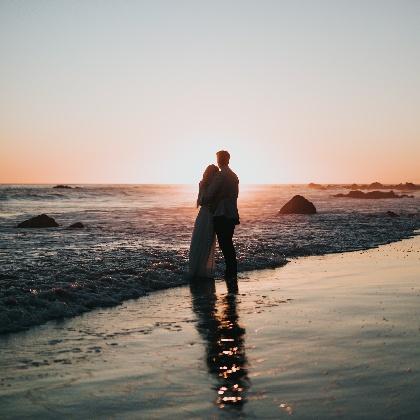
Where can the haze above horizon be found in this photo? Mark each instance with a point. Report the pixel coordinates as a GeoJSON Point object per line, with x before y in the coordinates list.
{"type": "Point", "coordinates": [146, 92]}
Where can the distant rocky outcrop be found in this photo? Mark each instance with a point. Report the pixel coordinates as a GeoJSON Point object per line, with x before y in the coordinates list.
{"type": "Point", "coordinates": [40, 221]}
{"type": "Point", "coordinates": [67, 187]}
{"type": "Point", "coordinates": [323, 187]}
{"type": "Point", "coordinates": [392, 214]}
{"type": "Point", "coordinates": [298, 205]}
{"type": "Point", "coordinates": [314, 186]}
{"type": "Point", "coordinates": [372, 195]}
{"type": "Point", "coordinates": [408, 186]}
{"type": "Point", "coordinates": [77, 225]}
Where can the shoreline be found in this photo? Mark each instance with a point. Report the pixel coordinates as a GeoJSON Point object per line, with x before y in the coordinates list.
{"type": "Point", "coordinates": [309, 339]}
{"type": "Point", "coordinates": [67, 303]}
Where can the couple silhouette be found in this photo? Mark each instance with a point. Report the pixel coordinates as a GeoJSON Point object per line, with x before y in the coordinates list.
{"type": "Point", "coordinates": [217, 317]}
{"type": "Point", "coordinates": [218, 215]}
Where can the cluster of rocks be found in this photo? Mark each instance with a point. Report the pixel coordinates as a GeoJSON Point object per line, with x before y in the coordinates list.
{"type": "Point", "coordinates": [408, 186]}
{"type": "Point", "coordinates": [45, 221]}
{"type": "Point", "coordinates": [373, 195]}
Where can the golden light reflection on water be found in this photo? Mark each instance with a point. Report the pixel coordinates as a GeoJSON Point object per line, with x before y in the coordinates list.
{"type": "Point", "coordinates": [218, 324]}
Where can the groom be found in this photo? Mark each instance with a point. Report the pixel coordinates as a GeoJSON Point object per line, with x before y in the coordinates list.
{"type": "Point", "coordinates": [222, 197]}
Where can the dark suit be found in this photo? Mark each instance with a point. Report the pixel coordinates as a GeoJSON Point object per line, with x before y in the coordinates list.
{"type": "Point", "coordinates": [222, 196]}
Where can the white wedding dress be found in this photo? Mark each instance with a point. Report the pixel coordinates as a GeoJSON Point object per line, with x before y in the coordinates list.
{"type": "Point", "coordinates": [203, 242]}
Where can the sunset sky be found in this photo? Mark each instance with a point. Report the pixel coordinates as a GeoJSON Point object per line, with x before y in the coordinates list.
{"type": "Point", "coordinates": [148, 91]}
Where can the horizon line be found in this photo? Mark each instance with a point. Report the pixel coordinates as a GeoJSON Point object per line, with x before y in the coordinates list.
{"type": "Point", "coordinates": [194, 183]}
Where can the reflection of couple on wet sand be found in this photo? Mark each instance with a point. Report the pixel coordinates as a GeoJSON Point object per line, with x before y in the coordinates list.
{"type": "Point", "coordinates": [218, 216]}
{"type": "Point", "coordinates": [218, 324]}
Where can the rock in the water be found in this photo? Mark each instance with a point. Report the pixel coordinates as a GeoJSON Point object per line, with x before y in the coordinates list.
{"type": "Point", "coordinates": [77, 225]}
{"type": "Point", "coordinates": [41, 221]}
{"type": "Point", "coordinates": [392, 214]}
{"type": "Point", "coordinates": [298, 205]}
{"type": "Point", "coordinates": [67, 187]}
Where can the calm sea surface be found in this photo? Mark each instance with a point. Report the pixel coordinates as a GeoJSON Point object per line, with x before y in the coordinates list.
{"type": "Point", "coordinates": [137, 237]}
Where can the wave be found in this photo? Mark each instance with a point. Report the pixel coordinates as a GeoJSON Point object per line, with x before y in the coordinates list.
{"type": "Point", "coordinates": [51, 282]}
{"type": "Point", "coordinates": [28, 195]}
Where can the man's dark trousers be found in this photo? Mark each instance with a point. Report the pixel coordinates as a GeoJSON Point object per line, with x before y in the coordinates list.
{"type": "Point", "coordinates": [224, 229]}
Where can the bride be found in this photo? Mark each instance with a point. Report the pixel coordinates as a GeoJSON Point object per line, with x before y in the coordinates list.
{"type": "Point", "coordinates": [203, 241]}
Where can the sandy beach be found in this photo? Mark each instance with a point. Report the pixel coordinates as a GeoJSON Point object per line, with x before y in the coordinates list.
{"type": "Point", "coordinates": [322, 337]}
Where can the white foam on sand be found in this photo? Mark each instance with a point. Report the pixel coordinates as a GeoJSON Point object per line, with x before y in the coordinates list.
{"type": "Point", "coordinates": [329, 336]}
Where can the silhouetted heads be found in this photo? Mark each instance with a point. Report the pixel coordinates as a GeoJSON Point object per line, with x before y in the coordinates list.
{"type": "Point", "coordinates": [223, 158]}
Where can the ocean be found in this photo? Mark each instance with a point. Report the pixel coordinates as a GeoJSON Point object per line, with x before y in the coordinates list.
{"type": "Point", "coordinates": [136, 240]}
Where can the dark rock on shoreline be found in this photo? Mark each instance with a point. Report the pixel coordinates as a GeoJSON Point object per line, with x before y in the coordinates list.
{"type": "Point", "coordinates": [40, 221]}
{"type": "Point", "coordinates": [77, 225]}
{"type": "Point", "coordinates": [67, 187]}
{"type": "Point", "coordinates": [392, 214]}
{"type": "Point", "coordinates": [372, 195]}
{"type": "Point", "coordinates": [298, 205]}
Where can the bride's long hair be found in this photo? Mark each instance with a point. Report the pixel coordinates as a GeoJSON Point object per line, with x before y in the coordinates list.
{"type": "Point", "coordinates": [208, 175]}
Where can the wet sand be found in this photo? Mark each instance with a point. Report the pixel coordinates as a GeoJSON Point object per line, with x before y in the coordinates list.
{"type": "Point", "coordinates": [322, 337]}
